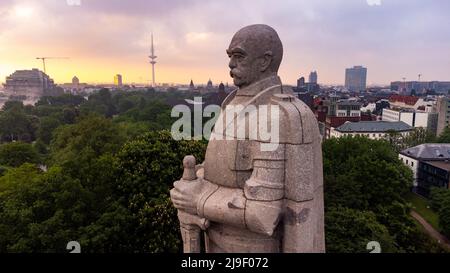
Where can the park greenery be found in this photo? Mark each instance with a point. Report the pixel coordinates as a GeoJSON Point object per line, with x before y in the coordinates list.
{"type": "Point", "coordinates": [98, 170]}
{"type": "Point", "coordinates": [440, 202]}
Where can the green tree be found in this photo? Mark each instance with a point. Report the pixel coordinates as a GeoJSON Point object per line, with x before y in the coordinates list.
{"type": "Point", "coordinates": [150, 164]}
{"type": "Point", "coordinates": [41, 212]}
{"type": "Point", "coordinates": [438, 197]}
{"type": "Point", "coordinates": [92, 137]}
{"type": "Point", "coordinates": [444, 217]}
{"type": "Point", "coordinates": [46, 127]}
{"type": "Point", "coordinates": [100, 103]}
{"type": "Point", "coordinates": [418, 136]}
{"type": "Point", "coordinates": [147, 167]}
{"type": "Point", "coordinates": [440, 202]}
{"type": "Point", "coordinates": [444, 137]}
{"type": "Point", "coordinates": [367, 176]}
{"type": "Point", "coordinates": [353, 177]}
{"type": "Point", "coordinates": [15, 124]}
{"type": "Point", "coordinates": [349, 231]}
{"type": "Point", "coordinates": [17, 153]}
{"type": "Point", "coordinates": [12, 104]}
{"type": "Point", "coordinates": [63, 100]}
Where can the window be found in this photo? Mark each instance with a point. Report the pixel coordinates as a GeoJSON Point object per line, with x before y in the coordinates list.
{"type": "Point", "coordinates": [407, 162]}
{"type": "Point", "coordinates": [412, 164]}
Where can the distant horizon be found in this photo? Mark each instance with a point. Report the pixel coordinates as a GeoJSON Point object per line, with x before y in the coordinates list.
{"type": "Point", "coordinates": [104, 37]}
{"type": "Point", "coordinates": [214, 82]}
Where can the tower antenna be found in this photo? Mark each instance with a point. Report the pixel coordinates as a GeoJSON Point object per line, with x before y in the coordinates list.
{"type": "Point", "coordinates": [153, 62]}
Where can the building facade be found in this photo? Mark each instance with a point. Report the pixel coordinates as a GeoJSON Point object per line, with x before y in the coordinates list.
{"type": "Point", "coordinates": [430, 164]}
{"type": "Point", "coordinates": [301, 83]}
{"type": "Point", "coordinates": [371, 129]}
{"type": "Point", "coordinates": [417, 119]}
{"type": "Point", "coordinates": [313, 77]}
{"type": "Point", "coordinates": [28, 83]}
{"type": "Point", "coordinates": [355, 79]}
{"type": "Point", "coordinates": [410, 87]}
{"type": "Point", "coordinates": [346, 108]}
{"type": "Point", "coordinates": [433, 174]}
{"type": "Point", "coordinates": [118, 80]}
{"type": "Point", "coordinates": [443, 110]}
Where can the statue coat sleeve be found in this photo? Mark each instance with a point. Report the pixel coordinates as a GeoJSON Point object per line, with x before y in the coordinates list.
{"type": "Point", "coordinates": [303, 217]}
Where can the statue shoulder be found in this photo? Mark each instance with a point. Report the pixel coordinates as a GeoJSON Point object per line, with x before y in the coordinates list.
{"type": "Point", "coordinates": [229, 98]}
{"type": "Point", "coordinates": [297, 123]}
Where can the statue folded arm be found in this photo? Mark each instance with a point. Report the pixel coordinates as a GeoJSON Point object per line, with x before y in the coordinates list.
{"type": "Point", "coordinates": [259, 206]}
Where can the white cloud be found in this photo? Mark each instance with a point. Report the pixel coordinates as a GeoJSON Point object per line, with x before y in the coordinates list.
{"type": "Point", "coordinates": [374, 2]}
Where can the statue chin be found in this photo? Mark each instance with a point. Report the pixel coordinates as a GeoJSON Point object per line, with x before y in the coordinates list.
{"type": "Point", "coordinates": [238, 82]}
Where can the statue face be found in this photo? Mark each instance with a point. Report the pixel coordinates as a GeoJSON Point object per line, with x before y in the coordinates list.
{"type": "Point", "coordinates": [244, 63]}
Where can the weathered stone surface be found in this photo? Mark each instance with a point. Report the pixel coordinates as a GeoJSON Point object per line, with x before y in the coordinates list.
{"type": "Point", "coordinates": [300, 181]}
{"type": "Point", "coordinates": [258, 192]}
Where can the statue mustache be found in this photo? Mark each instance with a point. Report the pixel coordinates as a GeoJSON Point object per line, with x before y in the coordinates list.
{"type": "Point", "coordinates": [235, 73]}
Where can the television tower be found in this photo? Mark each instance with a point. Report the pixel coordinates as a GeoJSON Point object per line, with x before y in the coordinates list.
{"type": "Point", "coordinates": [153, 62]}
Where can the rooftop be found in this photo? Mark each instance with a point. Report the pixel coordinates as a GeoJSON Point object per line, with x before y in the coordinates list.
{"type": "Point", "coordinates": [444, 165]}
{"type": "Point", "coordinates": [349, 102]}
{"type": "Point", "coordinates": [409, 100]}
{"type": "Point", "coordinates": [374, 126]}
{"type": "Point", "coordinates": [429, 151]}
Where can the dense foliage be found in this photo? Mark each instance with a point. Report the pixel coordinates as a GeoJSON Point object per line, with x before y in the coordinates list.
{"type": "Point", "coordinates": [444, 137]}
{"type": "Point", "coordinates": [418, 136]}
{"type": "Point", "coordinates": [98, 171]}
{"type": "Point", "coordinates": [440, 202]}
{"type": "Point", "coordinates": [365, 185]}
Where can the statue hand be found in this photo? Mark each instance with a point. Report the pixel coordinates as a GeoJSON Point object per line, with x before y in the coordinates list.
{"type": "Point", "coordinates": [186, 194]}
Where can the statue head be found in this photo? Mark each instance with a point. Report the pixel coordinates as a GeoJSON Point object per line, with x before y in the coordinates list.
{"type": "Point", "coordinates": [255, 53]}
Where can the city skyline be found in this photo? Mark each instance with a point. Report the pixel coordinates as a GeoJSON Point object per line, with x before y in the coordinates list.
{"type": "Point", "coordinates": [393, 40]}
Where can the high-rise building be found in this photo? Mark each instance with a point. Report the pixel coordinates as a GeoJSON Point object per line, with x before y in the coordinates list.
{"type": "Point", "coordinates": [29, 84]}
{"type": "Point", "coordinates": [443, 110]}
{"type": "Point", "coordinates": [313, 77]}
{"type": "Point", "coordinates": [355, 78]}
{"type": "Point", "coordinates": [310, 86]}
{"type": "Point", "coordinates": [301, 82]}
{"type": "Point", "coordinates": [118, 80]}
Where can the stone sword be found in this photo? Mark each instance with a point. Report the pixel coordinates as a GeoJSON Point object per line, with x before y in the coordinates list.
{"type": "Point", "coordinates": [190, 225]}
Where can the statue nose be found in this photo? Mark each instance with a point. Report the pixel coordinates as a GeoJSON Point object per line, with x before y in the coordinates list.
{"type": "Point", "coordinates": [232, 64]}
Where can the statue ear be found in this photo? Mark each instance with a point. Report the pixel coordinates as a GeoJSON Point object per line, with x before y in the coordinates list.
{"type": "Point", "coordinates": [266, 61]}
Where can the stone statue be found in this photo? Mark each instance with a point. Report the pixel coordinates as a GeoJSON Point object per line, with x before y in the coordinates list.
{"type": "Point", "coordinates": [246, 197]}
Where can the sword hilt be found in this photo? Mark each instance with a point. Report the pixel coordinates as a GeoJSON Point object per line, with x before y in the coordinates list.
{"type": "Point", "coordinates": [191, 225]}
{"type": "Point", "coordinates": [189, 173]}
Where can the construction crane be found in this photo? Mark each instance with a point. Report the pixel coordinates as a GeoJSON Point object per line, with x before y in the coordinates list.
{"type": "Point", "coordinates": [45, 58]}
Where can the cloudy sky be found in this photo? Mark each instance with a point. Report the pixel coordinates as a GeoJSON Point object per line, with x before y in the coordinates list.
{"type": "Point", "coordinates": [393, 38]}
